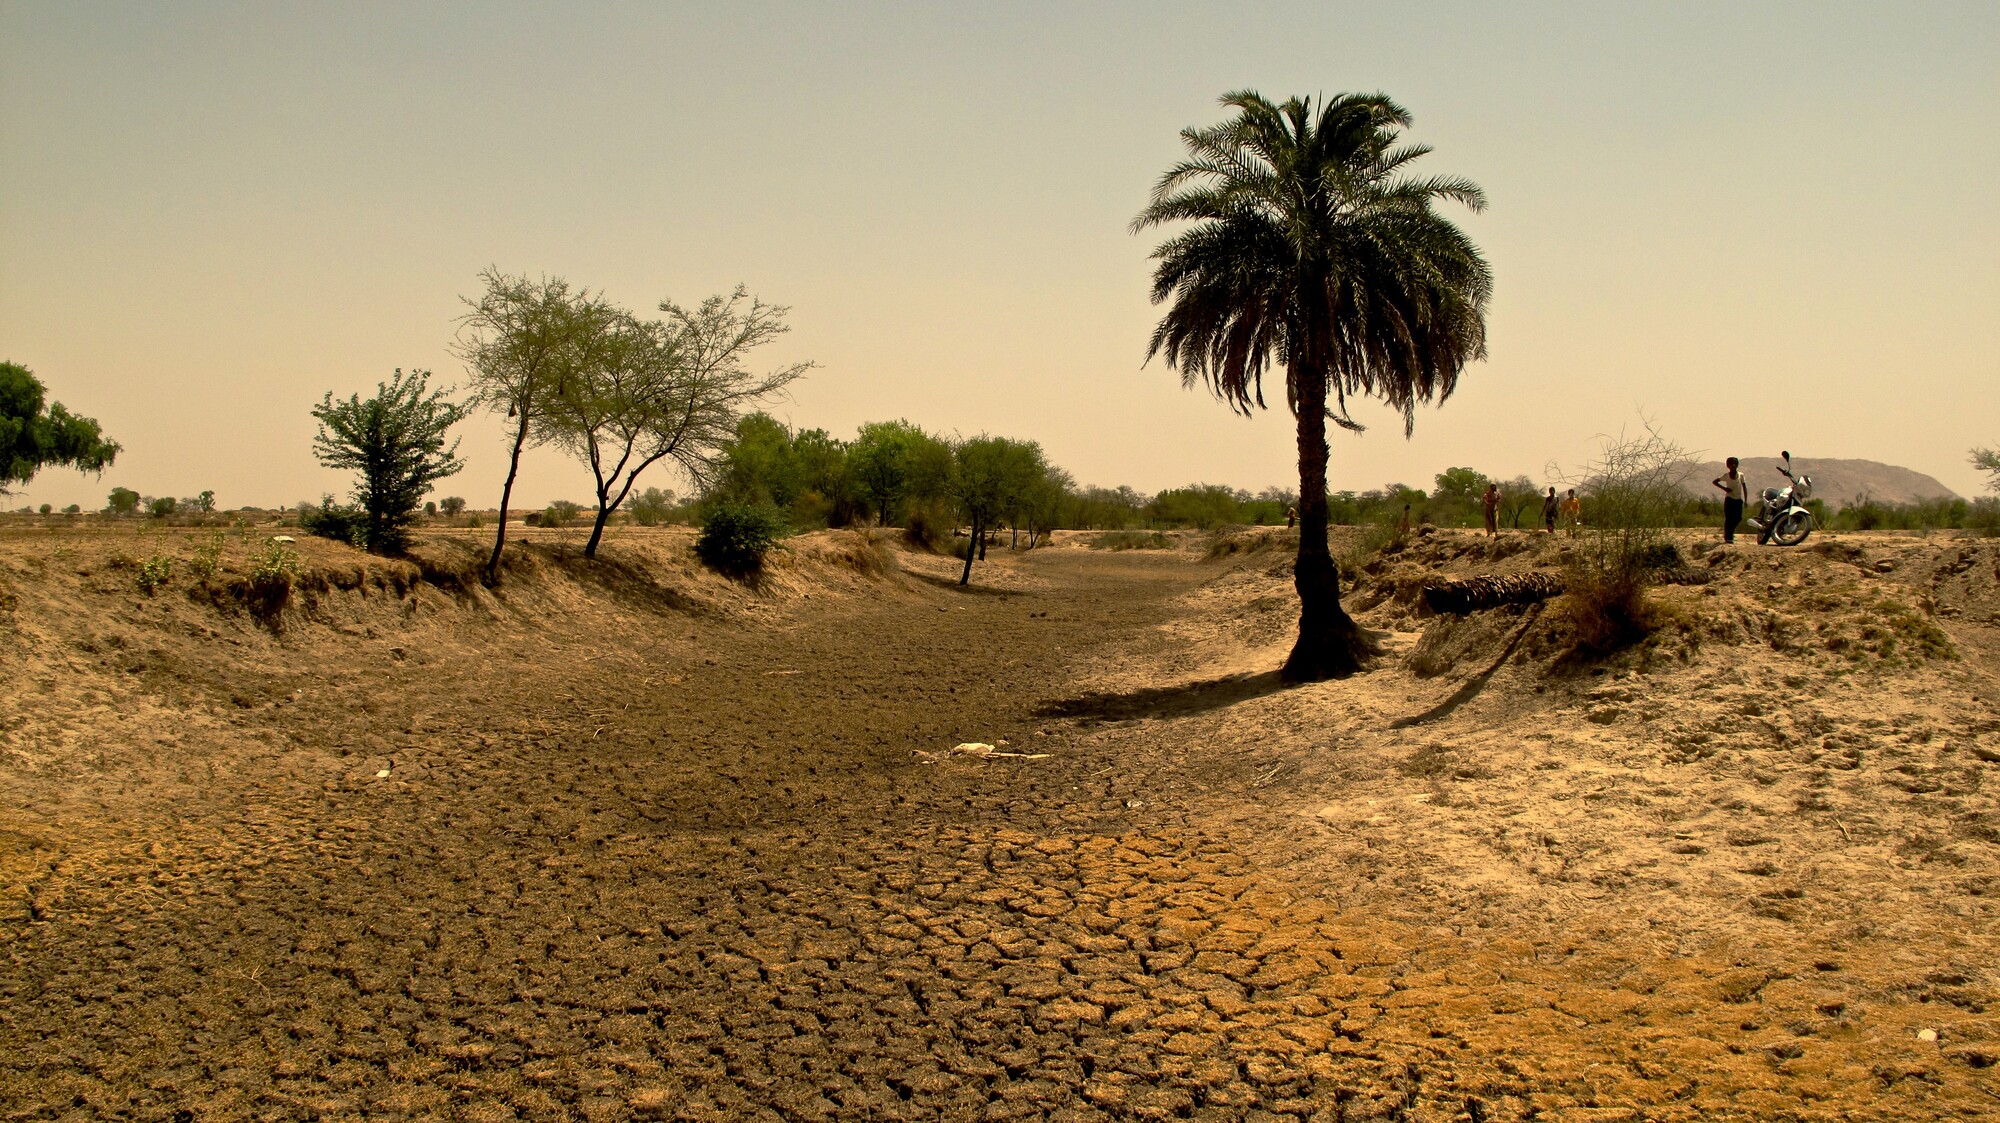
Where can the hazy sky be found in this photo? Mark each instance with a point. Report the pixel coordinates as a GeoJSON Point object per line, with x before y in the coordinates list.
{"type": "Point", "coordinates": [1764, 225]}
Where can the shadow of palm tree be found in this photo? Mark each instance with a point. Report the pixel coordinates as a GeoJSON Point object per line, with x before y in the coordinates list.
{"type": "Point", "coordinates": [1165, 701]}
{"type": "Point", "coordinates": [1473, 685]}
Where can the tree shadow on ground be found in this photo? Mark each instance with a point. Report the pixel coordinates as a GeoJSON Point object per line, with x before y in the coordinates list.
{"type": "Point", "coordinates": [1165, 701]}
{"type": "Point", "coordinates": [1473, 685]}
{"type": "Point", "coordinates": [952, 584]}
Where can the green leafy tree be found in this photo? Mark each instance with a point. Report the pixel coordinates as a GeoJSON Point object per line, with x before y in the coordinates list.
{"type": "Point", "coordinates": [829, 496]}
{"type": "Point", "coordinates": [161, 507]}
{"type": "Point", "coordinates": [1309, 247]}
{"type": "Point", "coordinates": [652, 506]}
{"type": "Point", "coordinates": [205, 502]}
{"type": "Point", "coordinates": [36, 434]}
{"type": "Point", "coordinates": [989, 478]}
{"type": "Point", "coordinates": [451, 505]}
{"type": "Point", "coordinates": [665, 390]}
{"type": "Point", "coordinates": [880, 462]}
{"type": "Point", "coordinates": [396, 441]}
{"type": "Point", "coordinates": [756, 465]}
{"type": "Point", "coordinates": [1205, 506]}
{"type": "Point", "coordinates": [122, 502]}
{"type": "Point", "coordinates": [523, 343]}
{"type": "Point", "coordinates": [1045, 503]}
{"type": "Point", "coordinates": [1460, 485]}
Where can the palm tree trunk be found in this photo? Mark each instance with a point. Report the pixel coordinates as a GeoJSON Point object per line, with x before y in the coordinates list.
{"type": "Point", "coordinates": [1330, 644]}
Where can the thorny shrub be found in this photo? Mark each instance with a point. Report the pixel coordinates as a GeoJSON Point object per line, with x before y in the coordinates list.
{"type": "Point", "coordinates": [1635, 488]}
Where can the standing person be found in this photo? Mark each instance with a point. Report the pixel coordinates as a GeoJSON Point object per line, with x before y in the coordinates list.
{"type": "Point", "coordinates": [1403, 524]}
{"type": "Point", "coordinates": [1550, 504]}
{"type": "Point", "coordinates": [1734, 491]}
{"type": "Point", "coordinates": [1291, 517]}
{"type": "Point", "coordinates": [1492, 501]}
{"type": "Point", "coordinates": [1572, 512]}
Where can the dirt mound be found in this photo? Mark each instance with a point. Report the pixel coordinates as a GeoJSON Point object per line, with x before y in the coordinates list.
{"type": "Point", "coordinates": [111, 638]}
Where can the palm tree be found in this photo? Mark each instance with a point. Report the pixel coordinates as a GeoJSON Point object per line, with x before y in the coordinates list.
{"type": "Point", "coordinates": [1310, 247]}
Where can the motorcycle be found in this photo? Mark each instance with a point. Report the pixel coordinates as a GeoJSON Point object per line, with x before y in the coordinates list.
{"type": "Point", "coordinates": [1783, 518]}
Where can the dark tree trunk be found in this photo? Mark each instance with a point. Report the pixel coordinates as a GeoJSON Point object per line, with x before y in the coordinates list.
{"type": "Point", "coordinates": [1330, 644]}
{"type": "Point", "coordinates": [506, 492]}
{"type": "Point", "coordinates": [597, 530]}
{"type": "Point", "coordinates": [971, 546]}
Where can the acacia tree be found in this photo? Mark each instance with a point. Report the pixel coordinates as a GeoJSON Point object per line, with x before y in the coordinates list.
{"type": "Point", "coordinates": [36, 434]}
{"type": "Point", "coordinates": [396, 440]}
{"type": "Point", "coordinates": [523, 342]}
{"type": "Point", "coordinates": [1309, 247]}
{"type": "Point", "coordinates": [1988, 460]}
{"type": "Point", "coordinates": [664, 390]}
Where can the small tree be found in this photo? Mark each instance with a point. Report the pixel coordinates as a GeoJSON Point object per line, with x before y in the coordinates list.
{"type": "Point", "coordinates": [205, 502]}
{"type": "Point", "coordinates": [396, 441]}
{"type": "Point", "coordinates": [880, 461]}
{"type": "Point", "coordinates": [665, 390]}
{"type": "Point", "coordinates": [523, 342]}
{"type": "Point", "coordinates": [1517, 496]}
{"type": "Point", "coordinates": [161, 507]}
{"type": "Point", "coordinates": [451, 505]}
{"type": "Point", "coordinates": [989, 478]}
{"type": "Point", "coordinates": [33, 437]}
{"type": "Point", "coordinates": [122, 502]}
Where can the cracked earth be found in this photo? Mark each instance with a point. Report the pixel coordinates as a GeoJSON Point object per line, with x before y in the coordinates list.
{"type": "Point", "coordinates": [605, 861]}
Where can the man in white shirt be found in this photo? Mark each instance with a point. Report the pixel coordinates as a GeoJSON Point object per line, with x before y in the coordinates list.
{"type": "Point", "coordinates": [1734, 491]}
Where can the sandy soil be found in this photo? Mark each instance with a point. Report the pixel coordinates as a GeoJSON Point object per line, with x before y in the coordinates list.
{"type": "Point", "coordinates": [627, 841]}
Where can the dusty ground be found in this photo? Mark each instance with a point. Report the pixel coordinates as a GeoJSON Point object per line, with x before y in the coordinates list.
{"type": "Point", "coordinates": [628, 842]}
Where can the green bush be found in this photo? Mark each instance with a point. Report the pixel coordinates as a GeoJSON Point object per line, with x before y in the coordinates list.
{"type": "Point", "coordinates": [155, 572]}
{"type": "Point", "coordinates": [927, 526]}
{"type": "Point", "coordinates": [1983, 518]}
{"type": "Point", "coordinates": [736, 537]}
{"type": "Point", "coordinates": [273, 563]}
{"type": "Point", "coordinates": [207, 558]}
{"type": "Point", "coordinates": [332, 520]}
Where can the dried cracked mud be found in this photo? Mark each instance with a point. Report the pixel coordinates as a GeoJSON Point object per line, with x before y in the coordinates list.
{"type": "Point", "coordinates": [673, 865]}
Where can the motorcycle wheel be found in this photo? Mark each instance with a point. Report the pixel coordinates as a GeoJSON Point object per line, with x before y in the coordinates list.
{"type": "Point", "coordinates": [1792, 529]}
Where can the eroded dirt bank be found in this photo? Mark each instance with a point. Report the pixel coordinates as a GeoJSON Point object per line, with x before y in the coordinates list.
{"type": "Point", "coordinates": [643, 850]}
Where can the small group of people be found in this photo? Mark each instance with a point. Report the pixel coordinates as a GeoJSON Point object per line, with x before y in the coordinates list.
{"type": "Point", "coordinates": [1567, 510]}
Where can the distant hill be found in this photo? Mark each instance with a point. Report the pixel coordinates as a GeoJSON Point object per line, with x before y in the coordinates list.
{"type": "Point", "coordinates": [1839, 482]}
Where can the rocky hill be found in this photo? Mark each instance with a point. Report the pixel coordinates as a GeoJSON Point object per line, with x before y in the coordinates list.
{"type": "Point", "coordinates": [1839, 482]}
